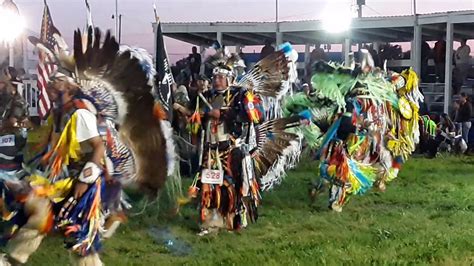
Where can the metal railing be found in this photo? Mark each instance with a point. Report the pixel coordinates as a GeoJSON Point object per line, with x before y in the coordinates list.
{"type": "Point", "coordinates": [31, 95]}
{"type": "Point", "coordinates": [434, 96]}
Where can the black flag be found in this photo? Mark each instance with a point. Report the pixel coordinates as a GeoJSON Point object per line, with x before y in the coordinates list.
{"type": "Point", "coordinates": [164, 76]}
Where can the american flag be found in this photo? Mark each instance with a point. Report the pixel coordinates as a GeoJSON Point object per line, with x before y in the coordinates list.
{"type": "Point", "coordinates": [44, 67]}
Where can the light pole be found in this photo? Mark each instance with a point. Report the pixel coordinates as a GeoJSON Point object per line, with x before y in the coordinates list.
{"type": "Point", "coordinates": [116, 18]}
{"type": "Point", "coordinates": [360, 3]}
{"type": "Point", "coordinates": [11, 26]}
{"type": "Point", "coordinates": [276, 11]}
{"type": "Point", "coordinates": [118, 22]}
{"type": "Point", "coordinates": [278, 35]}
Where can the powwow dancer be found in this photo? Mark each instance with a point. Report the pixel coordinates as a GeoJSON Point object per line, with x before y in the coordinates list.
{"type": "Point", "coordinates": [238, 149]}
{"type": "Point", "coordinates": [95, 88]}
{"type": "Point", "coordinates": [14, 123]}
{"type": "Point", "coordinates": [364, 123]}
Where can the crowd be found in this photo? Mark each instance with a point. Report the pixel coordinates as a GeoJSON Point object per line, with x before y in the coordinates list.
{"type": "Point", "coordinates": [448, 133]}
{"type": "Point", "coordinates": [462, 60]}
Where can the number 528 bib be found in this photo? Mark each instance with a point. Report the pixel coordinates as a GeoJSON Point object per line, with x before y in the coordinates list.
{"type": "Point", "coordinates": [215, 177]}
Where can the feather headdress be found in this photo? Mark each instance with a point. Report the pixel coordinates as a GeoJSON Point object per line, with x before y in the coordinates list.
{"type": "Point", "coordinates": [225, 63]}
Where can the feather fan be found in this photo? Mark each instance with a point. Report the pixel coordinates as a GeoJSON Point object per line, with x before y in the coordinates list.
{"type": "Point", "coordinates": [268, 75]}
{"type": "Point", "coordinates": [277, 150]}
{"type": "Point", "coordinates": [128, 79]}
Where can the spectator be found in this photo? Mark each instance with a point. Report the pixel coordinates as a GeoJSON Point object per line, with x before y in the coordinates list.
{"type": "Point", "coordinates": [463, 60]}
{"type": "Point", "coordinates": [444, 128]}
{"type": "Point", "coordinates": [316, 55]}
{"type": "Point", "coordinates": [457, 81]}
{"type": "Point", "coordinates": [267, 49]}
{"type": "Point", "coordinates": [14, 76]}
{"type": "Point", "coordinates": [425, 56]}
{"type": "Point", "coordinates": [195, 63]}
{"type": "Point", "coordinates": [440, 58]}
{"type": "Point", "coordinates": [463, 117]}
{"type": "Point", "coordinates": [180, 101]}
{"type": "Point", "coordinates": [373, 53]}
{"type": "Point", "coordinates": [13, 125]}
{"type": "Point", "coordinates": [445, 124]}
{"type": "Point", "coordinates": [180, 94]}
{"type": "Point", "coordinates": [244, 58]}
{"type": "Point", "coordinates": [202, 85]}
{"type": "Point", "coordinates": [375, 56]}
{"type": "Point", "coordinates": [15, 107]}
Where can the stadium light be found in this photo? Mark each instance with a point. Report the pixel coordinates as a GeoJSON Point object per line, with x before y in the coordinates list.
{"type": "Point", "coordinates": [11, 26]}
{"type": "Point", "coordinates": [337, 17]}
{"type": "Point", "coordinates": [11, 22]}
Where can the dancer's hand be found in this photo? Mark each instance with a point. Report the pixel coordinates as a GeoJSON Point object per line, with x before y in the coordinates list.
{"type": "Point", "coordinates": [215, 113]}
{"type": "Point", "coordinates": [79, 189]}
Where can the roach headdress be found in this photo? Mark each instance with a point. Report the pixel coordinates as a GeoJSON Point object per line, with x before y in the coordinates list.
{"type": "Point", "coordinates": [224, 63]}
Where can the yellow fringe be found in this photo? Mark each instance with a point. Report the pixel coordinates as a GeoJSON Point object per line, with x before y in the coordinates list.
{"type": "Point", "coordinates": [66, 148]}
{"type": "Point", "coordinates": [56, 191]}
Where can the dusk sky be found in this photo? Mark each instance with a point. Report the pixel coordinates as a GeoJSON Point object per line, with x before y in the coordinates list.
{"type": "Point", "coordinates": [138, 14]}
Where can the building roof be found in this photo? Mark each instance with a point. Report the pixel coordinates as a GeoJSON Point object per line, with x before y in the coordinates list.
{"type": "Point", "coordinates": [366, 29]}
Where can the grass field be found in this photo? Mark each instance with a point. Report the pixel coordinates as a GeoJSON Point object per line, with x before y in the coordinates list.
{"type": "Point", "coordinates": [426, 216]}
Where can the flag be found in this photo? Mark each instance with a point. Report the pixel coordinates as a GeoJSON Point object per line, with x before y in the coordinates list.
{"type": "Point", "coordinates": [45, 68]}
{"type": "Point", "coordinates": [164, 76]}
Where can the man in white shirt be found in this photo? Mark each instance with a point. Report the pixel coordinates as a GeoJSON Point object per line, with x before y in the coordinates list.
{"type": "Point", "coordinates": [87, 172]}
{"type": "Point", "coordinates": [463, 59]}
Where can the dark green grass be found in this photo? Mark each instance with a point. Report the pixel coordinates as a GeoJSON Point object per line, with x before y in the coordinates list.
{"type": "Point", "coordinates": [426, 216]}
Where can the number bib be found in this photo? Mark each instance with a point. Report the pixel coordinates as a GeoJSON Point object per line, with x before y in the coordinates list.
{"type": "Point", "coordinates": [7, 141]}
{"type": "Point", "coordinates": [215, 177]}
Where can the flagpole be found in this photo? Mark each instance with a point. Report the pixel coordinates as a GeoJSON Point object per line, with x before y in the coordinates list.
{"type": "Point", "coordinates": [120, 29]}
{"type": "Point", "coordinates": [155, 29]}
{"type": "Point", "coordinates": [157, 19]}
{"type": "Point", "coordinates": [116, 18]}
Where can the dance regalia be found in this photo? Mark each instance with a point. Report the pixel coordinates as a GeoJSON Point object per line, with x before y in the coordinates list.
{"type": "Point", "coordinates": [365, 125]}
{"type": "Point", "coordinates": [13, 128]}
{"type": "Point", "coordinates": [68, 157]}
{"type": "Point", "coordinates": [233, 194]}
{"type": "Point", "coordinates": [13, 137]}
{"type": "Point", "coordinates": [239, 151]}
{"type": "Point", "coordinates": [80, 223]}
{"type": "Point", "coordinates": [113, 89]}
